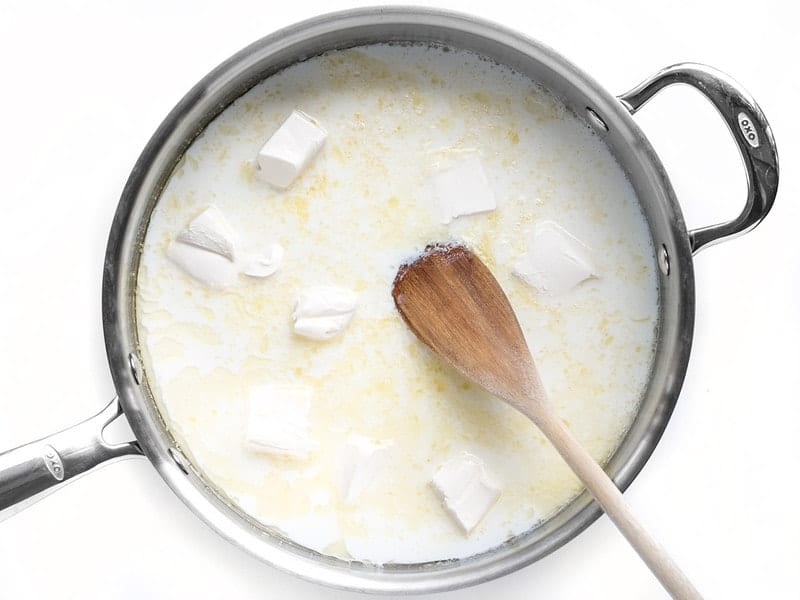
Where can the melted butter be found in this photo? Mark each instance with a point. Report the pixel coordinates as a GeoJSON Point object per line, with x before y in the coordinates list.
{"type": "Point", "coordinates": [395, 115]}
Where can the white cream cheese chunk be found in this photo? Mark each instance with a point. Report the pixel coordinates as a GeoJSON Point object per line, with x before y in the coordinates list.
{"type": "Point", "coordinates": [322, 312]}
{"type": "Point", "coordinates": [263, 265]}
{"type": "Point", "coordinates": [466, 489]}
{"type": "Point", "coordinates": [290, 149]}
{"type": "Point", "coordinates": [462, 189]}
{"type": "Point", "coordinates": [211, 231]}
{"type": "Point", "coordinates": [362, 461]}
{"type": "Point", "coordinates": [214, 270]}
{"type": "Point", "coordinates": [277, 422]}
{"type": "Point", "coordinates": [555, 261]}
{"type": "Point", "coordinates": [209, 250]}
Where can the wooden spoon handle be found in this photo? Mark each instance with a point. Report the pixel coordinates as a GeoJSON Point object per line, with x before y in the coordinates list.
{"type": "Point", "coordinates": [610, 498]}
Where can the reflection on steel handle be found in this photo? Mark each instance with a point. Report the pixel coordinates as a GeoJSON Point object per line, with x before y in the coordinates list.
{"type": "Point", "coordinates": [32, 471]}
{"type": "Point", "coordinates": [750, 130]}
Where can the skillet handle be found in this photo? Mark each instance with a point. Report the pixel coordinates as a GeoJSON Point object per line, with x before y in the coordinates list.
{"type": "Point", "coordinates": [30, 472]}
{"type": "Point", "coordinates": [750, 131]}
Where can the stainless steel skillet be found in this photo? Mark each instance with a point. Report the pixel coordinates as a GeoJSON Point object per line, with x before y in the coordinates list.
{"type": "Point", "coordinates": [28, 472]}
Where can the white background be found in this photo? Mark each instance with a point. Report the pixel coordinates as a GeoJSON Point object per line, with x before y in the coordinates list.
{"type": "Point", "coordinates": [84, 86]}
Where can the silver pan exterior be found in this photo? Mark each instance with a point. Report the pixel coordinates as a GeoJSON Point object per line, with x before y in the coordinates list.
{"type": "Point", "coordinates": [29, 472]}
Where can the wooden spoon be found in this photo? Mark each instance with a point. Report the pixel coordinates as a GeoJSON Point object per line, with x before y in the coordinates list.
{"type": "Point", "coordinates": [453, 303]}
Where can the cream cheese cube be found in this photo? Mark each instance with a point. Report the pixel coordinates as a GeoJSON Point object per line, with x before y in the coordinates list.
{"type": "Point", "coordinates": [322, 312]}
{"type": "Point", "coordinates": [293, 145]}
{"type": "Point", "coordinates": [206, 249]}
{"type": "Point", "coordinates": [211, 231]}
{"type": "Point", "coordinates": [277, 422]}
{"type": "Point", "coordinates": [362, 462]}
{"type": "Point", "coordinates": [210, 268]}
{"type": "Point", "coordinates": [463, 190]}
{"type": "Point", "coordinates": [466, 489]}
{"type": "Point", "coordinates": [555, 261]}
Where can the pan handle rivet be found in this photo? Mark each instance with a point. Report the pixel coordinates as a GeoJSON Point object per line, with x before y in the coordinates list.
{"type": "Point", "coordinates": [134, 365]}
{"type": "Point", "coordinates": [180, 460]}
{"type": "Point", "coordinates": [663, 259]}
{"type": "Point", "coordinates": [596, 119]}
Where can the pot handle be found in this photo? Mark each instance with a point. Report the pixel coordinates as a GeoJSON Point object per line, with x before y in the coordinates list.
{"type": "Point", "coordinates": [30, 472]}
{"type": "Point", "coordinates": [750, 131]}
